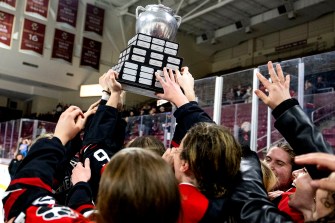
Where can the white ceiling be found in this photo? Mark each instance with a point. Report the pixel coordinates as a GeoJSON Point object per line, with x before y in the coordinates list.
{"type": "Point", "coordinates": [226, 23]}
{"type": "Point", "coordinates": [214, 24]}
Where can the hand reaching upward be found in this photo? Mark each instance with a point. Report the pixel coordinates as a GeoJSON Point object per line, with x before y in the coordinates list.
{"type": "Point", "coordinates": [103, 82]}
{"type": "Point", "coordinates": [115, 88]}
{"type": "Point", "coordinates": [68, 125]}
{"type": "Point", "coordinates": [186, 82]}
{"type": "Point", "coordinates": [172, 91]}
{"type": "Point", "coordinates": [278, 89]}
{"type": "Point", "coordinates": [112, 84]}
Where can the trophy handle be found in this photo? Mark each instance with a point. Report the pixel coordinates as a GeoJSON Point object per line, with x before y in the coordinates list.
{"type": "Point", "coordinates": [139, 8]}
{"type": "Point", "coordinates": [178, 18]}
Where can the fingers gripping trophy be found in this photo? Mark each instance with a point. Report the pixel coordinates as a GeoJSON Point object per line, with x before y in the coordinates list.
{"type": "Point", "coordinates": [150, 50]}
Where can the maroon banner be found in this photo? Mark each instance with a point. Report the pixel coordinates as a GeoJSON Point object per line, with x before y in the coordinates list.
{"type": "Point", "coordinates": [6, 28]}
{"type": "Point", "coordinates": [94, 21]}
{"type": "Point", "coordinates": [67, 12]}
{"type": "Point", "coordinates": [90, 53]}
{"type": "Point", "coordinates": [63, 45]}
{"type": "Point", "coordinates": [39, 7]}
{"type": "Point", "coordinates": [11, 3]}
{"type": "Point", "coordinates": [33, 36]}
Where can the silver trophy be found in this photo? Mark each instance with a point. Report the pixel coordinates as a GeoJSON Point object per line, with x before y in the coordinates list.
{"type": "Point", "coordinates": [150, 50]}
{"type": "Point", "coordinates": [157, 21]}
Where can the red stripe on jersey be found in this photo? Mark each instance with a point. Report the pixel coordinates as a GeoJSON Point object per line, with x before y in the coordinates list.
{"type": "Point", "coordinates": [103, 169]}
{"type": "Point", "coordinates": [174, 144]}
{"type": "Point", "coordinates": [91, 146]}
{"type": "Point", "coordinates": [34, 181]}
{"type": "Point", "coordinates": [12, 197]}
{"type": "Point", "coordinates": [85, 206]}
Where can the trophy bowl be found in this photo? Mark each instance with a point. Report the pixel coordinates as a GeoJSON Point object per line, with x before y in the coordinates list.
{"type": "Point", "coordinates": [157, 21]}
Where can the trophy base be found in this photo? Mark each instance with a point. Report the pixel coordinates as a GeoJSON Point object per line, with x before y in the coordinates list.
{"type": "Point", "coordinates": [141, 60]}
{"type": "Point", "coordinates": [139, 89]}
{"type": "Point", "coordinates": [139, 78]}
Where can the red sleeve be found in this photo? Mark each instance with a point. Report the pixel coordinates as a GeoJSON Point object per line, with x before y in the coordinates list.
{"type": "Point", "coordinates": [45, 210]}
{"type": "Point", "coordinates": [34, 176]}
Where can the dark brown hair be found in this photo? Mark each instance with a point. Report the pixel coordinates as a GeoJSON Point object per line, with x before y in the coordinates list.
{"type": "Point", "coordinates": [138, 186]}
{"type": "Point", "coordinates": [214, 157]}
{"type": "Point", "coordinates": [289, 150]}
{"type": "Point", "coordinates": [326, 202]}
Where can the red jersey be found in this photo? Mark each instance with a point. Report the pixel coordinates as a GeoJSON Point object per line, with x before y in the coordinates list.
{"type": "Point", "coordinates": [296, 215]}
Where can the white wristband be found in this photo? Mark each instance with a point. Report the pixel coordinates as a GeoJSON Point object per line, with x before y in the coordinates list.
{"type": "Point", "coordinates": [105, 96]}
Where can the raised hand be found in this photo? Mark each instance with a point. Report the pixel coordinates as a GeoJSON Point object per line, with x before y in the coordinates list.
{"type": "Point", "coordinates": [112, 84]}
{"type": "Point", "coordinates": [90, 111]}
{"type": "Point", "coordinates": [172, 91]}
{"type": "Point", "coordinates": [115, 88]}
{"type": "Point", "coordinates": [186, 82]}
{"type": "Point", "coordinates": [103, 82]}
{"type": "Point", "coordinates": [278, 90]}
{"type": "Point", "coordinates": [68, 125]}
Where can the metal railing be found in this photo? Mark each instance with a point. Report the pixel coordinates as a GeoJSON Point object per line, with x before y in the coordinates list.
{"type": "Point", "coordinates": [329, 111]}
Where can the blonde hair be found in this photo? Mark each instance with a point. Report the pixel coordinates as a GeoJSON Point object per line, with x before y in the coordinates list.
{"type": "Point", "coordinates": [48, 135]}
{"type": "Point", "coordinates": [148, 142]}
{"type": "Point", "coordinates": [269, 178]}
